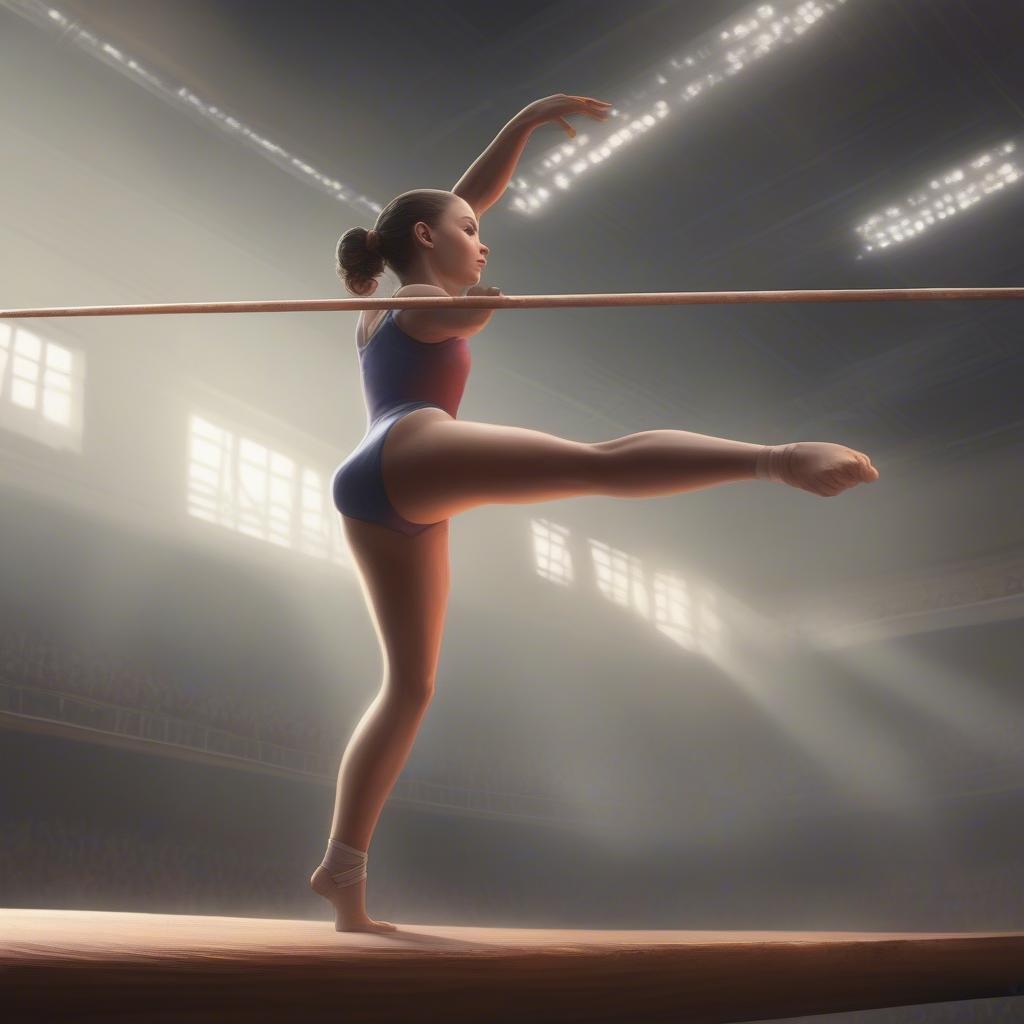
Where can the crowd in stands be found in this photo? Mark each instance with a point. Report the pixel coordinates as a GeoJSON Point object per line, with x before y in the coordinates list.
{"type": "Point", "coordinates": [75, 865]}
{"type": "Point", "coordinates": [30, 655]}
{"type": "Point", "coordinates": [81, 865]}
{"type": "Point", "coordinates": [33, 655]}
{"type": "Point", "coordinates": [36, 656]}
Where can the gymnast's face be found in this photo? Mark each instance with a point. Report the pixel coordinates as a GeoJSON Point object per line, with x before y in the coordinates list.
{"type": "Point", "coordinates": [455, 249]}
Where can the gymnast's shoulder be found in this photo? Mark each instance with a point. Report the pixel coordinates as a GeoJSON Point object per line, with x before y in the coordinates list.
{"type": "Point", "coordinates": [433, 325]}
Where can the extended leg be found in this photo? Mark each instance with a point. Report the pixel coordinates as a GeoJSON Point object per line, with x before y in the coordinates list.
{"type": "Point", "coordinates": [439, 467]}
{"type": "Point", "coordinates": [657, 462]}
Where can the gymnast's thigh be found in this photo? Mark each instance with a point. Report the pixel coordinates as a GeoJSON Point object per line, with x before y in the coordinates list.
{"type": "Point", "coordinates": [406, 581]}
{"type": "Point", "coordinates": [434, 467]}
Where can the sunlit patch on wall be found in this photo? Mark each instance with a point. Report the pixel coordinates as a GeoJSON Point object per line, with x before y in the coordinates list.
{"type": "Point", "coordinates": [246, 486]}
{"type": "Point", "coordinates": [41, 387]}
{"type": "Point", "coordinates": [551, 554]}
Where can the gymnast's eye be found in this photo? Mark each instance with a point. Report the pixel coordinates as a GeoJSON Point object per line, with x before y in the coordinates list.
{"type": "Point", "coordinates": [469, 229]}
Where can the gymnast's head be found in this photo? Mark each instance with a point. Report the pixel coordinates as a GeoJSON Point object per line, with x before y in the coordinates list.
{"type": "Point", "coordinates": [426, 236]}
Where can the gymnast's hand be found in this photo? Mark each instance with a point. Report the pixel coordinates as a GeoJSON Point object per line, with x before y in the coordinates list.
{"type": "Point", "coordinates": [552, 108]}
{"type": "Point", "coordinates": [483, 289]}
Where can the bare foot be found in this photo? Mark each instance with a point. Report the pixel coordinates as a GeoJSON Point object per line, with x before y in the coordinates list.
{"type": "Point", "coordinates": [821, 467]}
{"type": "Point", "coordinates": [347, 901]}
{"type": "Point", "coordinates": [366, 924]}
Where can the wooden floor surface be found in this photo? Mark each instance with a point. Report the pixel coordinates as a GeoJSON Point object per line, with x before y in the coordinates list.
{"type": "Point", "coordinates": [92, 965]}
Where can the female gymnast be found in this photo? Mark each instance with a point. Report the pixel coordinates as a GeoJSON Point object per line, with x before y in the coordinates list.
{"type": "Point", "coordinates": [417, 466]}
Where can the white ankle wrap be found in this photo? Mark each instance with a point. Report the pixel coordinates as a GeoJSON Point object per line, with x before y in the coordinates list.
{"type": "Point", "coordinates": [339, 853]}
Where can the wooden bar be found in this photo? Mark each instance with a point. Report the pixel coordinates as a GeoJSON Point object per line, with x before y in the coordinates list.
{"type": "Point", "coordinates": [533, 301]}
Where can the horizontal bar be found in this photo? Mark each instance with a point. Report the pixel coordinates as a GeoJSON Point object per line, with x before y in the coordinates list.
{"type": "Point", "coordinates": [532, 301]}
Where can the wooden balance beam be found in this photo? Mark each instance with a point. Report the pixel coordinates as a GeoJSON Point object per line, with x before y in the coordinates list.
{"type": "Point", "coordinates": [91, 965]}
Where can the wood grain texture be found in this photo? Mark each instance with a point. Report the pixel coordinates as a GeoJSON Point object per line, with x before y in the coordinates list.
{"type": "Point", "coordinates": [89, 965]}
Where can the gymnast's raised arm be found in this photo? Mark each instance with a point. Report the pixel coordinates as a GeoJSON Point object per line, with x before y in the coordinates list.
{"type": "Point", "coordinates": [488, 177]}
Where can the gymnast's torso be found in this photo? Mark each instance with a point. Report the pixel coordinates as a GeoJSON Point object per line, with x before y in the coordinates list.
{"type": "Point", "coordinates": [397, 368]}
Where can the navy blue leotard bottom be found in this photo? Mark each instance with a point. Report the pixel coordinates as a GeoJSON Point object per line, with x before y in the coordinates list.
{"type": "Point", "coordinates": [358, 484]}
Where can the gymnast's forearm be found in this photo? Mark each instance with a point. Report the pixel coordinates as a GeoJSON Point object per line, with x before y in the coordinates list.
{"type": "Point", "coordinates": [488, 177]}
{"type": "Point", "coordinates": [458, 321]}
